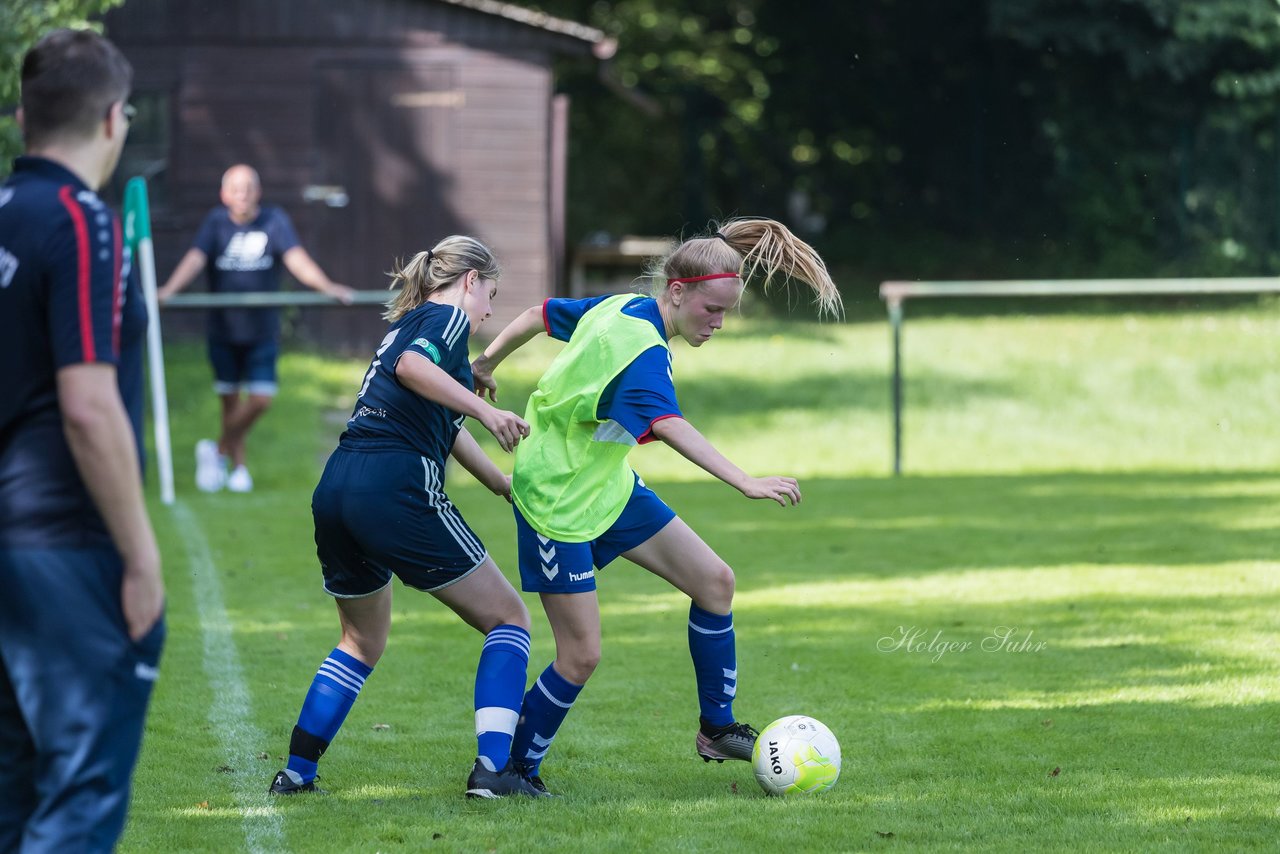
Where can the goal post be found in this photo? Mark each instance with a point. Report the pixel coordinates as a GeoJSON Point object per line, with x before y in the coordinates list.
{"type": "Point", "coordinates": [896, 293]}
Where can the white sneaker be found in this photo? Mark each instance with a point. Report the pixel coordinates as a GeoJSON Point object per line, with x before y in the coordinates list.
{"type": "Point", "coordinates": [211, 467]}
{"type": "Point", "coordinates": [239, 480]}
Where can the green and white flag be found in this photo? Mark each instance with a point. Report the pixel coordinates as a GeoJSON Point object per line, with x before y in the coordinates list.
{"type": "Point", "coordinates": [137, 234]}
{"type": "Point", "coordinates": [137, 214]}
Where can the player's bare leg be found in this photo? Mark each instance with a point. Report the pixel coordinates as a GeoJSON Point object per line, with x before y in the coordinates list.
{"type": "Point", "coordinates": [679, 556]}
{"type": "Point", "coordinates": [238, 417]}
{"type": "Point", "coordinates": [485, 599]}
{"type": "Point", "coordinates": [366, 624]}
{"type": "Point", "coordinates": [575, 624]}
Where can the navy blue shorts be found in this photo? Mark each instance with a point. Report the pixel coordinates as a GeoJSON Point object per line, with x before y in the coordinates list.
{"type": "Point", "coordinates": [383, 511]}
{"type": "Point", "coordinates": [244, 367]}
{"type": "Point", "coordinates": [552, 566]}
{"type": "Point", "coordinates": [73, 696]}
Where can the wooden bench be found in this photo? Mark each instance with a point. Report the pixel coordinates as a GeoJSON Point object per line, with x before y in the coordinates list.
{"type": "Point", "coordinates": [614, 267]}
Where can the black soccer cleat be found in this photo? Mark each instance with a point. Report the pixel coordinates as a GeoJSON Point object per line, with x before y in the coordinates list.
{"type": "Point", "coordinates": [535, 781]}
{"type": "Point", "coordinates": [487, 784]}
{"type": "Point", "coordinates": [283, 784]}
{"type": "Point", "coordinates": [734, 741]}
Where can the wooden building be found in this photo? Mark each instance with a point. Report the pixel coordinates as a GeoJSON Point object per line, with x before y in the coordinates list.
{"type": "Point", "coordinates": [379, 125]}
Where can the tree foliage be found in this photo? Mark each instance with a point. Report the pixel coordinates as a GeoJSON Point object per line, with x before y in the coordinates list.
{"type": "Point", "coordinates": [1053, 137]}
{"type": "Point", "coordinates": [22, 22]}
{"type": "Point", "coordinates": [1173, 105]}
{"type": "Point", "coordinates": [1229, 44]}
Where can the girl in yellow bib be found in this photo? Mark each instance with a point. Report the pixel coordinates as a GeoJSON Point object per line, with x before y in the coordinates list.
{"type": "Point", "coordinates": [578, 504]}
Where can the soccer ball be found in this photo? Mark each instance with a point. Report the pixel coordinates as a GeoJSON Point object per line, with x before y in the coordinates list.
{"type": "Point", "coordinates": [796, 755]}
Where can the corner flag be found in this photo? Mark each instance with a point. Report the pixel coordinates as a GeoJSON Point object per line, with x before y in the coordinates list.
{"type": "Point", "coordinates": [137, 233]}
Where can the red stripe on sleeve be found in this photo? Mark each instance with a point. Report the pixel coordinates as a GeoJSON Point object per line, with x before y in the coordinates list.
{"type": "Point", "coordinates": [117, 293]}
{"type": "Point", "coordinates": [82, 271]}
{"type": "Point", "coordinates": [648, 436]}
{"type": "Point", "coordinates": [546, 324]}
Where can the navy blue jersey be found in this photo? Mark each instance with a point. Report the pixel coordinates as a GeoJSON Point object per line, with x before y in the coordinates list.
{"type": "Point", "coordinates": [645, 391]}
{"type": "Point", "coordinates": [66, 298]}
{"type": "Point", "coordinates": [241, 259]}
{"type": "Point", "coordinates": [387, 413]}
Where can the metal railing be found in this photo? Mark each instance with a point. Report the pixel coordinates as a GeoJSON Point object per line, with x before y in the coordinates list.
{"type": "Point", "coordinates": [273, 299]}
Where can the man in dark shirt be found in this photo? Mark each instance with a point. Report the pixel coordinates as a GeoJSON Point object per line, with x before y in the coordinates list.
{"type": "Point", "coordinates": [240, 247]}
{"type": "Point", "coordinates": [80, 616]}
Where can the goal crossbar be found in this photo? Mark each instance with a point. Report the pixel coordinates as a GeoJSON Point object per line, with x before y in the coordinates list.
{"type": "Point", "coordinates": [895, 293]}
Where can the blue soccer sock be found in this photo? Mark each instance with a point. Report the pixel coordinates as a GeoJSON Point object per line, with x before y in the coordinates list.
{"type": "Point", "coordinates": [500, 678]}
{"type": "Point", "coordinates": [715, 664]}
{"type": "Point", "coordinates": [333, 691]}
{"type": "Point", "coordinates": [545, 707]}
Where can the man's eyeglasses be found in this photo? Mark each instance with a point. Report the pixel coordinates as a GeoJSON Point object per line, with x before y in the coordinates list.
{"type": "Point", "coordinates": [127, 109]}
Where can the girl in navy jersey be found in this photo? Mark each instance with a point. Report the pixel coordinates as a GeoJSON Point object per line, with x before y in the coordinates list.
{"type": "Point", "coordinates": [578, 505]}
{"type": "Point", "coordinates": [380, 510]}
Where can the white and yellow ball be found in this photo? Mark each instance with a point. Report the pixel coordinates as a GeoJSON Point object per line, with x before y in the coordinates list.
{"type": "Point", "coordinates": [796, 755]}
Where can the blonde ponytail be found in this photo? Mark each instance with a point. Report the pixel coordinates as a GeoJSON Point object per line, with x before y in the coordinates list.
{"type": "Point", "coordinates": [753, 247]}
{"type": "Point", "coordinates": [770, 248]}
{"type": "Point", "coordinates": [435, 269]}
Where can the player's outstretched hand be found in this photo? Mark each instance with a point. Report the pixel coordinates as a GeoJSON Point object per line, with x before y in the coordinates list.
{"type": "Point", "coordinates": [507, 427]}
{"type": "Point", "coordinates": [784, 490]}
{"type": "Point", "coordinates": [482, 379]}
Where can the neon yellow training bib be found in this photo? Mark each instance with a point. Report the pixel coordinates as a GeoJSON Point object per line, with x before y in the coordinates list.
{"type": "Point", "coordinates": [571, 479]}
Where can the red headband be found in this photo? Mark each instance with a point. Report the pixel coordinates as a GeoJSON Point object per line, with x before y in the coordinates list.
{"type": "Point", "coordinates": [704, 278]}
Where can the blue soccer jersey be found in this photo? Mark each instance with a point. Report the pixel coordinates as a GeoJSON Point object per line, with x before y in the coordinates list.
{"type": "Point", "coordinates": [66, 298]}
{"type": "Point", "coordinates": [645, 391]}
{"type": "Point", "coordinates": [245, 258]}
{"type": "Point", "coordinates": [386, 411]}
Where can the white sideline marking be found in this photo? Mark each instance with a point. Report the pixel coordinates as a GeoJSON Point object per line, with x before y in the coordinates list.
{"type": "Point", "coordinates": [229, 712]}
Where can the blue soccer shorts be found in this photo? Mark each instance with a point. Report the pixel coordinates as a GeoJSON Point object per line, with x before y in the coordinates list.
{"type": "Point", "coordinates": [381, 512]}
{"type": "Point", "coordinates": [553, 566]}
{"type": "Point", "coordinates": [244, 367]}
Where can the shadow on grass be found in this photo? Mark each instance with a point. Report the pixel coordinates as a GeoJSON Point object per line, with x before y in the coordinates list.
{"type": "Point", "coordinates": [882, 527]}
{"type": "Point", "coordinates": [1020, 658]}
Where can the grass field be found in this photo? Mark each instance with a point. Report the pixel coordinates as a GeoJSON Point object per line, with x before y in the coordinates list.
{"type": "Point", "coordinates": [1099, 490]}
